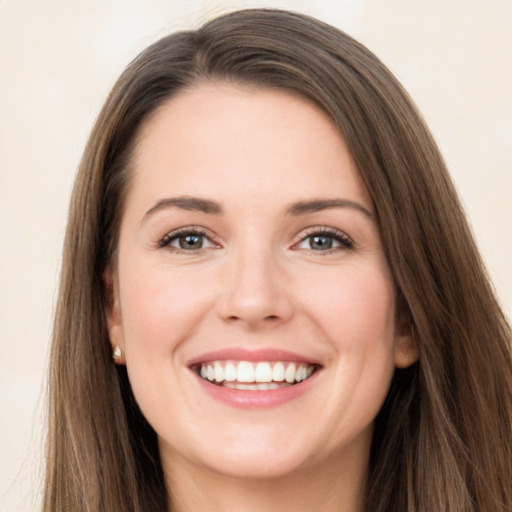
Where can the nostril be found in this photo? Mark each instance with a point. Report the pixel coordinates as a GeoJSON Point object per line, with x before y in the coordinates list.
{"type": "Point", "coordinates": [271, 318]}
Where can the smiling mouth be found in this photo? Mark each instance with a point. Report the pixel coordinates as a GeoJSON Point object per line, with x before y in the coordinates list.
{"type": "Point", "coordinates": [257, 376]}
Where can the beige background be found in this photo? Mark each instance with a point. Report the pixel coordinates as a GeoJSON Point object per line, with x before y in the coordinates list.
{"type": "Point", "coordinates": [58, 59]}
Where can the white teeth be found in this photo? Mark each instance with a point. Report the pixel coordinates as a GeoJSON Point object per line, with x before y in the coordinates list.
{"type": "Point", "coordinates": [278, 372]}
{"type": "Point", "coordinates": [290, 373]}
{"type": "Point", "coordinates": [263, 372]}
{"type": "Point", "coordinates": [302, 374]}
{"type": "Point", "coordinates": [253, 387]}
{"type": "Point", "coordinates": [229, 372]}
{"type": "Point", "coordinates": [219, 372]}
{"type": "Point", "coordinates": [267, 385]}
{"type": "Point", "coordinates": [253, 376]}
{"type": "Point", "coordinates": [250, 387]}
{"type": "Point", "coordinates": [245, 372]}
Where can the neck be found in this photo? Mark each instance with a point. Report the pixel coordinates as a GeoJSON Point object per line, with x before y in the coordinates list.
{"type": "Point", "coordinates": [332, 487]}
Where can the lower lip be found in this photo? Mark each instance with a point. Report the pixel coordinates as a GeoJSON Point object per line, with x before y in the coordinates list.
{"type": "Point", "coordinates": [256, 399]}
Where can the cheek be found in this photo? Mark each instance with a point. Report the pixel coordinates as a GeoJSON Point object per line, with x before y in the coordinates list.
{"type": "Point", "coordinates": [160, 307]}
{"type": "Point", "coordinates": [356, 309]}
{"type": "Point", "coordinates": [357, 313]}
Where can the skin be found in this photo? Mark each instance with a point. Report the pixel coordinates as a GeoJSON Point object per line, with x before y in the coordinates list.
{"type": "Point", "coordinates": [258, 281]}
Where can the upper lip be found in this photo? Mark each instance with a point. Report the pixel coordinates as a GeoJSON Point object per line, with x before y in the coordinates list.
{"type": "Point", "coordinates": [244, 354]}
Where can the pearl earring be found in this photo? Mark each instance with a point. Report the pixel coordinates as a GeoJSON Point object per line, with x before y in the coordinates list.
{"type": "Point", "coordinates": [117, 354]}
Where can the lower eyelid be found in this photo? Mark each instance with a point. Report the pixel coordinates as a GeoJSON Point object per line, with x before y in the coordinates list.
{"type": "Point", "coordinates": [337, 246]}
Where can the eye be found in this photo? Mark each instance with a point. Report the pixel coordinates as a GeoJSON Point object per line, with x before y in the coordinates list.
{"type": "Point", "coordinates": [186, 240]}
{"type": "Point", "coordinates": [325, 240]}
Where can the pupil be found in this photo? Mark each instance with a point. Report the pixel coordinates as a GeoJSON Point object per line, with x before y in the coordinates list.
{"type": "Point", "coordinates": [191, 242]}
{"type": "Point", "coordinates": [321, 242]}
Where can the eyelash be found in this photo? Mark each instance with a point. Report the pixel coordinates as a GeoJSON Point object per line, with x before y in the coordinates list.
{"type": "Point", "coordinates": [345, 243]}
{"type": "Point", "coordinates": [175, 235]}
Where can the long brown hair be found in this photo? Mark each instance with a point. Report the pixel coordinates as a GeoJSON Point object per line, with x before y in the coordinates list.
{"type": "Point", "coordinates": [443, 439]}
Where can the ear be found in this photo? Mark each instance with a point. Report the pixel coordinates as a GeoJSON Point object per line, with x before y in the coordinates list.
{"type": "Point", "coordinates": [406, 350]}
{"type": "Point", "coordinates": [113, 313]}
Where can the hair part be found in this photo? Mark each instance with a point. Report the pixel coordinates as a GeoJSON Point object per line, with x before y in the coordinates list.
{"type": "Point", "coordinates": [443, 439]}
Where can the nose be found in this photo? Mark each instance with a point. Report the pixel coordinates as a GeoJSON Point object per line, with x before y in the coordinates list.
{"type": "Point", "coordinates": [254, 293]}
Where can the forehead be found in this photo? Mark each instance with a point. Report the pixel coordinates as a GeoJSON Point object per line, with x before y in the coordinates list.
{"type": "Point", "coordinates": [219, 138]}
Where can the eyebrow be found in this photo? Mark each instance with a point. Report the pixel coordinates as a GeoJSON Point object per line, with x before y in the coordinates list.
{"type": "Point", "coordinates": [317, 205]}
{"type": "Point", "coordinates": [208, 206]}
{"type": "Point", "coordinates": [194, 204]}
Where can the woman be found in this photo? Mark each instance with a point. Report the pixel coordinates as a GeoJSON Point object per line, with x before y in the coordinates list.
{"type": "Point", "coordinates": [264, 236]}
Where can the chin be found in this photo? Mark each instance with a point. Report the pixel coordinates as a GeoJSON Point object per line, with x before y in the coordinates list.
{"type": "Point", "coordinates": [252, 454]}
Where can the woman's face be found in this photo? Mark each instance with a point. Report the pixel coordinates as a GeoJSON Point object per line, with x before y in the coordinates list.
{"type": "Point", "coordinates": [253, 302]}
